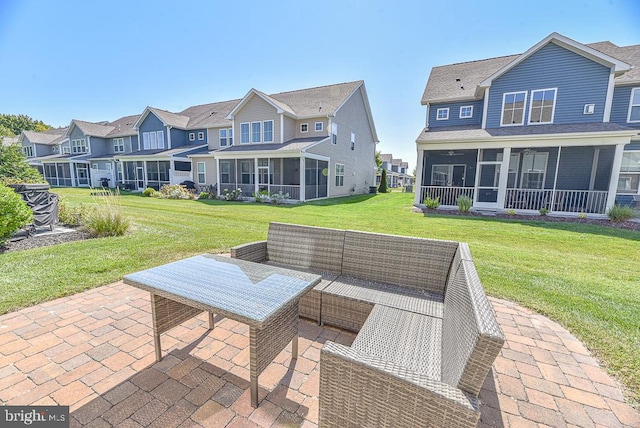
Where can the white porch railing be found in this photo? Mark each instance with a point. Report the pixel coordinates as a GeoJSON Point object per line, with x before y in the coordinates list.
{"type": "Point", "coordinates": [97, 174]}
{"type": "Point", "coordinates": [293, 191]}
{"type": "Point", "coordinates": [581, 201]}
{"type": "Point", "coordinates": [177, 177]}
{"type": "Point", "coordinates": [528, 199]}
{"type": "Point", "coordinates": [448, 195]}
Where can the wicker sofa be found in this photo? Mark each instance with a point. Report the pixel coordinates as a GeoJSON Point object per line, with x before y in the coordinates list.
{"type": "Point", "coordinates": [427, 335]}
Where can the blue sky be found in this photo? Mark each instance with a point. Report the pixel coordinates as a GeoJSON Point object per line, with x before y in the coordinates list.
{"type": "Point", "coordinates": [101, 60]}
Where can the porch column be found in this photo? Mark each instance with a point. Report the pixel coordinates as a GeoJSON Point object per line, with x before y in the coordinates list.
{"type": "Point", "coordinates": [255, 176]}
{"type": "Point", "coordinates": [555, 180]}
{"type": "Point", "coordinates": [419, 166]}
{"type": "Point", "coordinates": [615, 175]}
{"type": "Point", "coordinates": [504, 175]}
{"type": "Point", "coordinates": [218, 175]}
{"type": "Point", "coordinates": [72, 170]}
{"type": "Point", "coordinates": [302, 183]}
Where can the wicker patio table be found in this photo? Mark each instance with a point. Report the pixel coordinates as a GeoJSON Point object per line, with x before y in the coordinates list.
{"type": "Point", "coordinates": [263, 297]}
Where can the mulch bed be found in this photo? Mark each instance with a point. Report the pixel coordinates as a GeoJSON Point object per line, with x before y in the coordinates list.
{"type": "Point", "coordinates": [44, 241]}
{"type": "Point", "coordinates": [626, 225]}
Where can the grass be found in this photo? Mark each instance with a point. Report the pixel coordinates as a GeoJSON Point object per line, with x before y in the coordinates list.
{"type": "Point", "coordinates": [583, 276]}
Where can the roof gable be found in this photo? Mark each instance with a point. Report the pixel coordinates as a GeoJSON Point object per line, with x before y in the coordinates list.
{"type": "Point", "coordinates": [281, 108]}
{"type": "Point", "coordinates": [167, 118]}
{"type": "Point", "coordinates": [567, 43]}
{"type": "Point", "coordinates": [90, 128]}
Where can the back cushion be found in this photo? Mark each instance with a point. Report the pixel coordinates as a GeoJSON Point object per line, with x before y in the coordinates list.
{"type": "Point", "coordinates": [471, 336]}
{"type": "Point", "coordinates": [415, 262]}
{"type": "Point", "coordinates": [305, 247]}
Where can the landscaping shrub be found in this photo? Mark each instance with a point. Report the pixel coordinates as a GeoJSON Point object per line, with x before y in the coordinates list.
{"type": "Point", "coordinates": [175, 191]}
{"type": "Point", "coordinates": [621, 213]}
{"type": "Point", "coordinates": [383, 182]}
{"type": "Point", "coordinates": [15, 213]}
{"type": "Point", "coordinates": [149, 191]}
{"type": "Point", "coordinates": [511, 212]}
{"type": "Point", "coordinates": [279, 198]}
{"type": "Point", "coordinates": [262, 196]}
{"type": "Point", "coordinates": [464, 204]}
{"type": "Point", "coordinates": [432, 204]}
{"type": "Point", "coordinates": [582, 216]}
{"type": "Point", "coordinates": [203, 195]}
{"type": "Point", "coordinates": [234, 195]}
{"type": "Point", "coordinates": [72, 215]}
{"type": "Point", "coordinates": [108, 220]}
{"type": "Point", "coordinates": [543, 211]}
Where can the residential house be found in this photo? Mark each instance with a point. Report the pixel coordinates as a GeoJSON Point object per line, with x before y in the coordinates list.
{"type": "Point", "coordinates": [40, 147]}
{"type": "Point", "coordinates": [308, 144]}
{"type": "Point", "coordinates": [397, 171]}
{"type": "Point", "coordinates": [553, 128]}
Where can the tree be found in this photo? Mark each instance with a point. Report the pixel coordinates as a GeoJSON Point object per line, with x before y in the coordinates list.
{"type": "Point", "coordinates": [5, 132]}
{"type": "Point", "coordinates": [15, 213]}
{"type": "Point", "coordinates": [378, 162]}
{"type": "Point", "coordinates": [16, 123]}
{"type": "Point", "coordinates": [14, 167]}
{"type": "Point", "coordinates": [383, 182]}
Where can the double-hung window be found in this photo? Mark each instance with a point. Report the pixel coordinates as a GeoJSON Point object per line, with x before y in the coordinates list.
{"type": "Point", "coordinates": [442, 113]}
{"type": "Point", "coordinates": [629, 181]}
{"type": "Point", "coordinates": [513, 108]}
{"type": "Point", "coordinates": [339, 175]}
{"type": "Point", "coordinates": [634, 106]}
{"type": "Point", "coordinates": [268, 131]}
{"type": "Point", "coordinates": [256, 132]}
{"type": "Point", "coordinates": [28, 151]}
{"type": "Point", "coordinates": [466, 112]}
{"type": "Point", "coordinates": [153, 140]}
{"type": "Point", "coordinates": [118, 145]}
{"type": "Point", "coordinates": [78, 146]}
{"type": "Point", "coordinates": [226, 137]}
{"type": "Point", "coordinates": [225, 172]}
{"type": "Point", "coordinates": [542, 106]}
{"type": "Point", "coordinates": [202, 176]}
{"type": "Point", "coordinates": [244, 133]}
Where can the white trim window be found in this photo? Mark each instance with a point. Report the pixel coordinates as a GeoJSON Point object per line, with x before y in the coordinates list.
{"type": "Point", "coordinates": [202, 175]}
{"type": "Point", "coordinates": [304, 128]}
{"type": "Point", "coordinates": [192, 136]}
{"type": "Point", "coordinates": [334, 133]}
{"type": "Point", "coordinates": [542, 106]}
{"type": "Point", "coordinates": [353, 141]}
{"type": "Point", "coordinates": [319, 126]}
{"type": "Point", "coordinates": [339, 175]}
{"type": "Point", "coordinates": [66, 150]}
{"type": "Point", "coordinates": [118, 145]}
{"type": "Point", "coordinates": [534, 170]}
{"type": "Point", "coordinates": [78, 146]}
{"type": "Point", "coordinates": [226, 137]}
{"type": "Point", "coordinates": [447, 175]}
{"type": "Point", "coordinates": [256, 132]}
{"type": "Point", "coordinates": [200, 136]}
{"type": "Point", "coordinates": [267, 130]}
{"type": "Point", "coordinates": [442, 113]}
{"type": "Point", "coordinates": [634, 106]}
{"type": "Point", "coordinates": [466, 112]}
{"type": "Point", "coordinates": [629, 181]}
{"type": "Point", "coordinates": [28, 151]}
{"type": "Point", "coordinates": [513, 104]}
{"type": "Point", "coordinates": [153, 140]}
{"type": "Point", "coordinates": [244, 133]}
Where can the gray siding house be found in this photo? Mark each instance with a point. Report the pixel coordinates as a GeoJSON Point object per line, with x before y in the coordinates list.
{"type": "Point", "coordinates": [555, 128]}
{"type": "Point", "coordinates": [44, 152]}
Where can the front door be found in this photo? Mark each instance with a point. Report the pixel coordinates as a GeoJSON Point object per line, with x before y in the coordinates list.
{"type": "Point", "coordinates": [83, 175]}
{"type": "Point", "coordinates": [488, 178]}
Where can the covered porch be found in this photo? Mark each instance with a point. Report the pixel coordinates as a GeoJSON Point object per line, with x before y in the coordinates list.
{"type": "Point", "coordinates": [576, 178]}
{"type": "Point", "coordinates": [138, 174]}
{"type": "Point", "coordinates": [301, 178]}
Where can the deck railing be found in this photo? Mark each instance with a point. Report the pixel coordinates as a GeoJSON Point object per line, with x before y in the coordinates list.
{"type": "Point", "coordinates": [528, 199]}
{"type": "Point", "coordinates": [581, 201]}
{"type": "Point", "coordinates": [293, 191]}
{"type": "Point", "coordinates": [448, 195]}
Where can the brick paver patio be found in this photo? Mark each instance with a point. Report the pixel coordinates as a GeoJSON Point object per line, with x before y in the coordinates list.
{"type": "Point", "coordinates": [94, 352]}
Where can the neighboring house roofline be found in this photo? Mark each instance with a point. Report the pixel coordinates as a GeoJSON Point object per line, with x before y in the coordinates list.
{"type": "Point", "coordinates": [281, 108]}
{"type": "Point", "coordinates": [163, 116]}
{"type": "Point", "coordinates": [567, 43]}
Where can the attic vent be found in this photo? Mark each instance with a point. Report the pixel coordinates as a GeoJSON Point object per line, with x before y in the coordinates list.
{"type": "Point", "coordinates": [320, 108]}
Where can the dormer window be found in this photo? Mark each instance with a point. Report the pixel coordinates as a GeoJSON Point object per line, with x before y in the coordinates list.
{"type": "Point", "coordinates": [78, 146]}
{"type": "Point", "coordinates": [543, 103]}
{"type": "Point", "coordinates": [634, 106]}
{"type": "Point", "coordinates": [28, 151]}
{"type": "Point", "coordinates": [513, 108]}
{"type": "Point", "coordinates": [118, 145]}
{"type": "Point", "coordinates": [442, 114]}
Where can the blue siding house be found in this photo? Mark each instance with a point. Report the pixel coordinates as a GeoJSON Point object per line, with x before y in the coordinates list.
{"type": "Point", "coordinates": [556, 128]}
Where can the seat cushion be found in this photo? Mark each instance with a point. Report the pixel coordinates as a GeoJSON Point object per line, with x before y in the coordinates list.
{"type": "Point", "coordinates": [405, 338]}
{"type": "Point", "coordinates": [405, 298]}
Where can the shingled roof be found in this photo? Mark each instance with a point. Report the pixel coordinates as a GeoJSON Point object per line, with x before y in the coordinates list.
{"type": "Point", "coordinates": [123, 126]}
{"type": "Point", "coordinates": [318, 101]}
{"type": "Point", "coordinates": [209, 115]}
{"type": "Point", "coordinates": [457, 82]}
{"type": "Point", "coordinates": [49, 137]}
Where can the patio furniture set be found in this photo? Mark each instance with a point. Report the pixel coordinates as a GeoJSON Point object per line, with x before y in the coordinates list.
{"type": "Point", "coordinates": [427, 335]}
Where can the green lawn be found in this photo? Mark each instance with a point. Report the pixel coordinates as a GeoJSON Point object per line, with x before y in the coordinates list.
{"type": "Point", "coordinates": [583, 276]}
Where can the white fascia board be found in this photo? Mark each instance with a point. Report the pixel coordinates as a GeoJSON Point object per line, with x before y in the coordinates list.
{"type": "Point", "coordinates": [246, 99]}
{"type": "Point", "coordinates": [317, 157]}
{"type": "Point", "coordinates": [259, 154]}
{"type": "Point", "coordinates": [617, 65]}
{"type": "Point", "coordinates": [449, 100]}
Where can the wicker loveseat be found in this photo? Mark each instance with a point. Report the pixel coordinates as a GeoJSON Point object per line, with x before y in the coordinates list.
{"type": "Point", "coordinates": [427, 334]}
